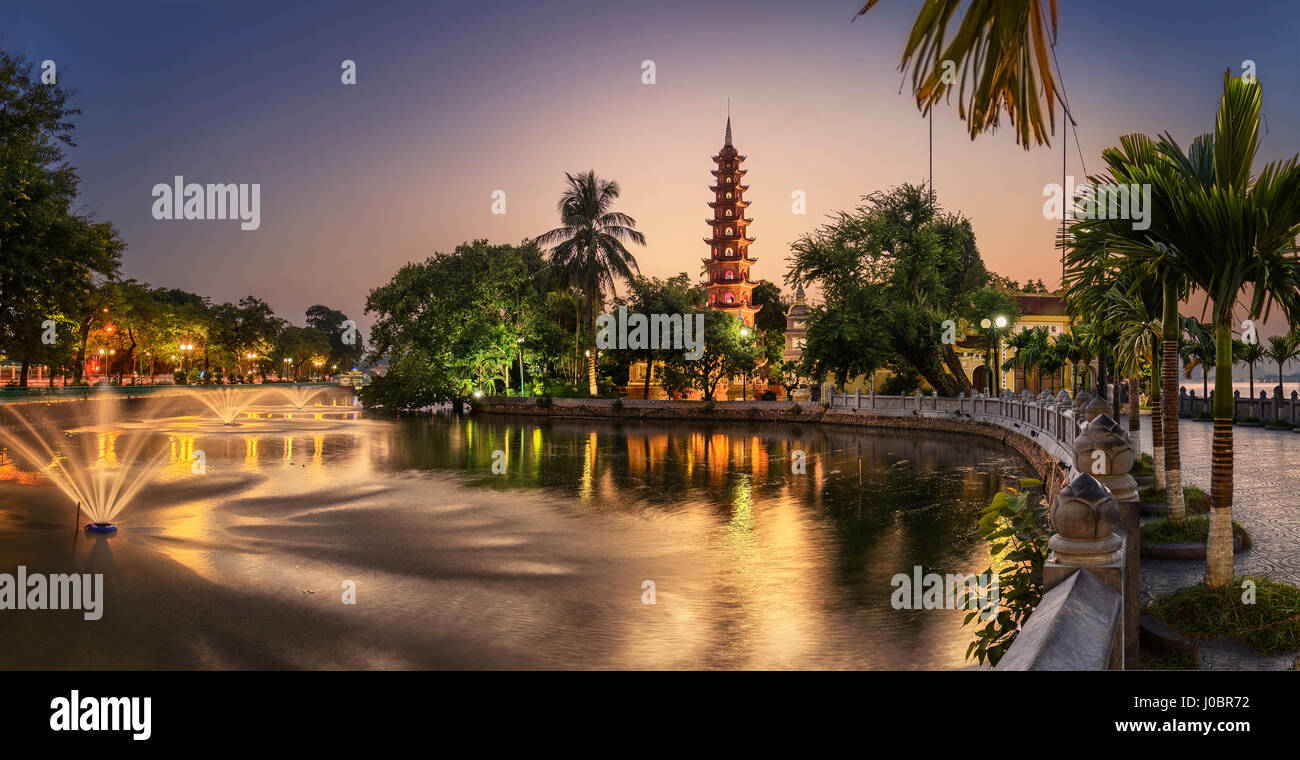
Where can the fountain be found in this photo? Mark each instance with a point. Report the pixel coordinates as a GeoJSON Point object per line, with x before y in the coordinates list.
{"type": "Point", "coordinates": [99, 471]}
{"type": "Point", "coordinates": [227, 402]}
{"type": "Point", "coordinates": [299, 396]}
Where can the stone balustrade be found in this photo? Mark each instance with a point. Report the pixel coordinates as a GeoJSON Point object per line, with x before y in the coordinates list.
{"type": "Point", "coordinates": [1266, 407]}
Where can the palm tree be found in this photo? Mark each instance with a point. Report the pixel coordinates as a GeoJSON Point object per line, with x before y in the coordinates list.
{"type": "Point", "coordinates": [1111, 256]}
{"type": "Point", "coordinates": [1004, 52]}
{"type": "Point", "coordinates": [1281, 349]}
{"type": "Point", "coordinates": [1199, 351]}
{"type": "Point", "coordinates": [1227, 233]}
{"type": "Point", "coordinates": [1250, 354]}
{"type": "Point", "coordinates": [588, 250]}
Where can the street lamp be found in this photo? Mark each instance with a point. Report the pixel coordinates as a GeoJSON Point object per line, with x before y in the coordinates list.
{"type": "Point", "coordinates": [520, 342]}
{"type": "Point", "coordinates": [744, 374]}
{"type": "Point", "coordinates": [994, 327]}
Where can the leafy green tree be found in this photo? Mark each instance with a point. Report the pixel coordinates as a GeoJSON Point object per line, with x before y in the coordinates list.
{"type": "Point", "coordinates": [652, 295]}
{"type": "Point", "coordinates": [461, 314]}
{"type": "Point", "coordinates": [330, 321]}
{"type": "Point", "coordinates": [726, 354]}
{"type": "Point", "coordinates": [891, 272]}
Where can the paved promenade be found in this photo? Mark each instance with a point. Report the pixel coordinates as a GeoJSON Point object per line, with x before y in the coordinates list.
{"type": "Point", "coordinates": [1266, 502]}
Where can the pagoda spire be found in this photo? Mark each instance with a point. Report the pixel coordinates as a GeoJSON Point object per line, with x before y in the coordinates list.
{"type": "Point", "coordinates": [727, 282]}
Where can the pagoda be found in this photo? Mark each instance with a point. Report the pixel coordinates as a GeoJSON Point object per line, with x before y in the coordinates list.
{"type": "Point", "coordinates": [727, 285]}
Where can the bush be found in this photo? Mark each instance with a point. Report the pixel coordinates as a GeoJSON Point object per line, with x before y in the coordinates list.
{"type": "Point", "coordinates": [1279, 425]}
{"type": "Point", "coordinates": [707, 407]}
{"type": "Point", "coordinates": [617, 405]}
{"type": "Point", "coordinates": [1145, 465]}
{"type": "Point", "coordinates": [544, 401]}
{"type": "Point", "coordinates": [1252, 420]}
{"type": "Point", "coordinates": [178, 377]}
{"type": "Point", "coordinates": [1192, 531]}
{"type": "Point", "coordinates": [1270, 624]}
{"type": "Point", "coordinates": [1015, 527]}
{"type": "Point", "coordinates": [769, 396]}
{"type": "Point", "coordinates": [1197, 500]}
{"type": "Point", "coordinates": [795, 410]}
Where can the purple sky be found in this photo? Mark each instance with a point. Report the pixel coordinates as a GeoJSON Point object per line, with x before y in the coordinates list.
{"type": "Point", "coordinates": [456, 100]}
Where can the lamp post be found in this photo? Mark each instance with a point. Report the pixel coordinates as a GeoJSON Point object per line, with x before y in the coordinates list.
{"type": "Point", "coordinates": [744, 375]}
{"type": "Point", "coordinates": [520, 343]}
{"type": "Point", "coordinates": [995, 327]}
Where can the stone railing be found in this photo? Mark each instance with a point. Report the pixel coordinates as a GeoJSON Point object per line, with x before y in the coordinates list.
{"type": "Point", "coordinates": [1050, 421]}
{"type": "Point", "coordinates": [1267, 408]}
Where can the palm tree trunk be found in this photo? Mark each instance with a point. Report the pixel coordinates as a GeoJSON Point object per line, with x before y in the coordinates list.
{"type": "Point", "coordinates": [1157, 422]}
{"type": "Point", "coordinates": [1175, 507]}
{"type": "Point", "coordinates": [1134, 416]}
{"type": "Point", "coordinates": [591, 345]}
{"type": "Point", "coordinates": [1218, 554]}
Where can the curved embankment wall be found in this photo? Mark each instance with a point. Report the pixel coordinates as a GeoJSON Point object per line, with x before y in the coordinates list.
{"type": "Point", "coordinates": [1010, 424]}
{"type": "Point", "coordinates": [69, 411]}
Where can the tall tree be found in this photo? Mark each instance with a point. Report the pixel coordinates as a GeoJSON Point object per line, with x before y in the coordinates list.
{"type": "Point", "coordinates": [588, 247]}
{"type": "Point", "coordinates": [1228, 233]}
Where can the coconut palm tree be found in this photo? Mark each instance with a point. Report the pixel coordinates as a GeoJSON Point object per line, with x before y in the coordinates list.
{"type": "Point", "coordinates": [588, 250]}
{"type": "Point", "coordinates": [1004, 52]}
{"type": "Point", "coordinates": [1228, 233]}
{"type": "Point", "coordinates": [1251, 354]}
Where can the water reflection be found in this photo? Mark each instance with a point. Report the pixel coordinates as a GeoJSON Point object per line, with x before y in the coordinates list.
{"type": "Point", "coordinates": [755, 564]}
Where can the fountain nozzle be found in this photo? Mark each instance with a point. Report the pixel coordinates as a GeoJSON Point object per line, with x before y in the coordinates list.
{"type": "Point", "coordinates": [101, 527]}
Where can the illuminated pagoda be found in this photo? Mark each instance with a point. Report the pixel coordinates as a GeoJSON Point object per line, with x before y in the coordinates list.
{"type": "Point", "coordinates": [728, 286]}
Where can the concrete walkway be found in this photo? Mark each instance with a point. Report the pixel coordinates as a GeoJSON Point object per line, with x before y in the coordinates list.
{"type": "Point", "coordinates": [1266, 502]}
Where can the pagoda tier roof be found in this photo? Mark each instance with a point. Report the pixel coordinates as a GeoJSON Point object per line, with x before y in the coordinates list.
{"type": "Point", "coordinates": [724, 156]}
{"type": "Point", "coordinates": [738, 203]}
{"type": "Point", "coordinates": [737, 172]}
{"type": "Point", "coordinates": [738, 188]}
{"type": "Point", "coordinates": [740, 221]}
{"type": "Point", "coordinates": [717, 240]}
{"type": "Point", "coordinates": [742, 308]}
{"type": "Point", "coordinates": [724, 259]}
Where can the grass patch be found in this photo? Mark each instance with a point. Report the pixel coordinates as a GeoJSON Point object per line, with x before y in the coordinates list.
{"type": "Point", "coordinates": [1144, 465]}
{"type": "Point", "coordinates": [1175, 661]}
{"type": "Point", "coordinates": [1271, 625]}
{"type": "Point", "coordinates": [1279, 425]}
{"type": "Point", "coordinates": [1197, 501]}
{"type": "Point", "coordinates": [1204, 416]}
{"type": "Point", "coordinates": [1193, 530]}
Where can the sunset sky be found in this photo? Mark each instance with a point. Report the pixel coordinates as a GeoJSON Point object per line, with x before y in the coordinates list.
{"type": "Point", "coordinates": [456, 100]}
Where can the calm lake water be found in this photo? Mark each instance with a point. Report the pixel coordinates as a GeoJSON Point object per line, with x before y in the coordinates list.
{"type": "Point", "coordinates": [540, 567]}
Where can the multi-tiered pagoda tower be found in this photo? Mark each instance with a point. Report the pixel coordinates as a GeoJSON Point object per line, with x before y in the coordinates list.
{"type": "Point", "coordinates": [728, 286]}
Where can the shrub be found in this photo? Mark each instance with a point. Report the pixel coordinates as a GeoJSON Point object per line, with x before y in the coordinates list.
{"type": "Point", "coordinates": [617, 405]}
{"type": "Point", "coordinates": [1192, 530]}
{"type": "Point", "coordinates": [544, 401]}
{"type": "Point", "coordinates": [1269, 624]}
{"type": "Point", "coordinates": [707, 407]}
{"type": "Point", "coordinates": [1015, 527]}
{"type": "Point", "coordinates": [795, 410]}
{"type": "Point", "coordinates": [1253, 420]}
{"type": "Point", "coordinates": [178, 377]}
{"type": "Point", "coordinates": [1197, 500]}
